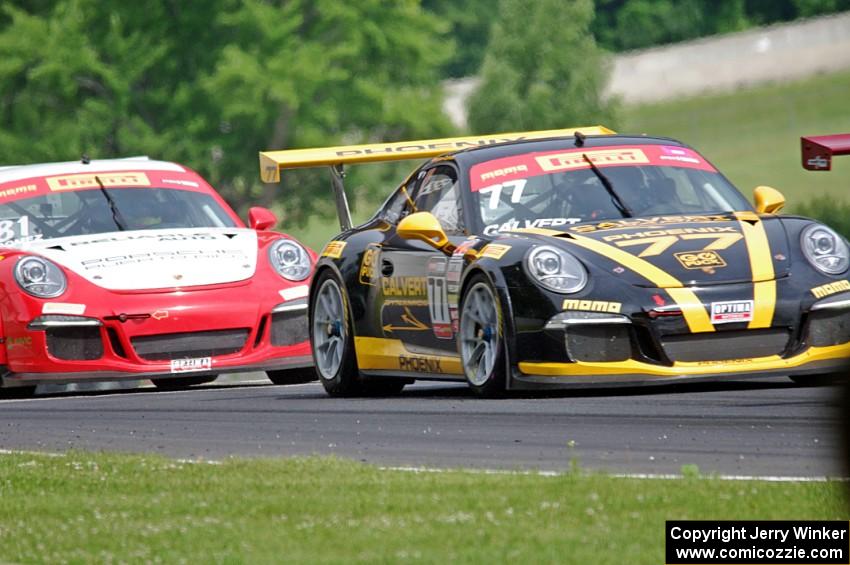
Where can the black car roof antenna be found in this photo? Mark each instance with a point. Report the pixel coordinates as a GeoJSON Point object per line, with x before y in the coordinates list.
{"type": "Point", "coordinates": [606, 182]}
{"type": "Point", "coordinates": [580, 137]}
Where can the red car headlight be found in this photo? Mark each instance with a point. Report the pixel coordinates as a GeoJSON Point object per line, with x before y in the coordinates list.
{"type": "Point", "coordinates": [39, 277]}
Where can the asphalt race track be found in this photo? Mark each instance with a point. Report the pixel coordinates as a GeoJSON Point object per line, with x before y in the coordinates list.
{"type": "Point", "coordinates": [766, 428]}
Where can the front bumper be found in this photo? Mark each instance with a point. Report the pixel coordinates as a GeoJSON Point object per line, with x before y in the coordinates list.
{"type": "Point", "coordinates": [602, 349]}
{"type": "Point", "coordinates": [155, 335]}
{"type": "Point", "coordinates": [815, 360]}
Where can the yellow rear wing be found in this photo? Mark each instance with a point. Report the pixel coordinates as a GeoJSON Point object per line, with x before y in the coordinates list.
{"type": "Point", "coordinates": [272, 162]}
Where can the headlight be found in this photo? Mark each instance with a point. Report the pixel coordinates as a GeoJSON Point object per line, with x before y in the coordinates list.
{"type": "Point", "coordinates": [40, 277]}
{"type": "Point", "coordinates": [290, 260]}
{"type": "Point", "coordinates": [556, 269]}
{"type": "Point", "coordinates": [825, 249]}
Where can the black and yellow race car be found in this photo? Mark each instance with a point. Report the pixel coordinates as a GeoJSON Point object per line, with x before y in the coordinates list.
{"type": "Point", "coordinates": [564, 257]}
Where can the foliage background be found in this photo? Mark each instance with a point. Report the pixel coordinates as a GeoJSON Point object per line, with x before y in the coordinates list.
{"type": "Point", "coordinates": [211, 83]}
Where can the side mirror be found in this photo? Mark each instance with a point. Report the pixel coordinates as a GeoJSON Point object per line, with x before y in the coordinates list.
{"type": "Point", "coordinates": [425, 227]}
{"type": "Point", "coordinates": [260, 218]}
{"type": "Point", "coordinates": [768, 200]}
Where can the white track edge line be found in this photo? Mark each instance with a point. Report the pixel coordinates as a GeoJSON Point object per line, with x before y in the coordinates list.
{"type": "Point", "coordinates": [645, 476]}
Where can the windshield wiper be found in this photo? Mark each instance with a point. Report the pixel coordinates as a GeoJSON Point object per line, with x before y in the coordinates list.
{"type": "Point", "coordinates": [116, 215]}
{"type": "Point", "coordinates": [624, 210]}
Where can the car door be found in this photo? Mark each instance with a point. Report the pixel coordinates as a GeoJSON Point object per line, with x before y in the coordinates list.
{"type": "Point", "coordinates": [413, 290]}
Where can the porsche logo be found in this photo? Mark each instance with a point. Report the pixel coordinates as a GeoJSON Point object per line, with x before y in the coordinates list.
{"type": "Point", "coordinates": [159, 314]}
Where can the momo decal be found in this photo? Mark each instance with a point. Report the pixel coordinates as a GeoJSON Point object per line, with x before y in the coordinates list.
{"type": "Point", "coordinates": [592, 305]}
{"type": "Point", "coordinates": [830, 288]}
{"type": "Point", "coordinates": [16, 190]}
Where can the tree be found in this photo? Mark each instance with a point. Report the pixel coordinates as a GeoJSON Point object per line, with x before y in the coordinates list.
{"type": "Point", "coordinates": [470, 22]}
{"type": "Point", "coordinates": [314, 72]}
{"type": "Point", "coordinates": [212, 83]}
{"type": "Point", "coordinates": [543, 69]}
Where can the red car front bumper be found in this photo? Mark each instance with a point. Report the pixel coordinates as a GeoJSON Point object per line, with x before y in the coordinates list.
{"type": "Point", "coordinates": [195, 332]}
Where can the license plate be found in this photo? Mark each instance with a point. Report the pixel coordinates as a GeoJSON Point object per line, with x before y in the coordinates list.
{"type": "Point", "coordinates": [191, 365]}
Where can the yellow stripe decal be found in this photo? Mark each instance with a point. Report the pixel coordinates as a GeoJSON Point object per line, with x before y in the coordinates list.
{"type": "Point", "coordinates": [761, 266]}
{"type": "Point", "coordinates": [692, 307]}
{"type": "Point", "coordinates": [380, 353]}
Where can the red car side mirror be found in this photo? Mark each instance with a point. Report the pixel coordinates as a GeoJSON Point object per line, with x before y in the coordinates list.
{"type": "Point", "coordinates": [260, 218]}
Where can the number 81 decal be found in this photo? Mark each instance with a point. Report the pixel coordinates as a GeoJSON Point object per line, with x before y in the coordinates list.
{"type": "Point", "coordinates": [438, 298]}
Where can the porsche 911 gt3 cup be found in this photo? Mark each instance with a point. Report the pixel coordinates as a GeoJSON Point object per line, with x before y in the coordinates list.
{"type": "Point", "coordinates": [132, 269]}
{"type": "Point", "coordinates": [570, 257]}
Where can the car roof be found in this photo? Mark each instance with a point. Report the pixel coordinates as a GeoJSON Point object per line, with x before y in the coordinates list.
{"type": "Point", "coordinates": [20, 172]}
{"type": "Point", "coordinates": [474, 155]}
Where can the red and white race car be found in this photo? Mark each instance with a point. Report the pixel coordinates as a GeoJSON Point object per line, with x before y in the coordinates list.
{"type": "Point", "coordinates": [137, 269]}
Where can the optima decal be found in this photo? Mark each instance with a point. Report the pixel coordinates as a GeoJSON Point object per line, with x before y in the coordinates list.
{"type": "Point", "coordinates": [592, 306]}
{"type": "Point", "coordinates": [730, 312]}
{"type": "Point", "coordinates": [830, 288]}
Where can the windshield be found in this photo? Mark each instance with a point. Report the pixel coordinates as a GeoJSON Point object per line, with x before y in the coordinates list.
{"type": "Point", "coordinates": [80, 212]}
{"type": "Point", "coordinates": [556, 188]}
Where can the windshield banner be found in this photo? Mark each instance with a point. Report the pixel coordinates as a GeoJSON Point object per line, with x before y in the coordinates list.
{"type": "Point", "coordinates": [26, 188]}
{"type": "Point", "coordinates": [535, 164]}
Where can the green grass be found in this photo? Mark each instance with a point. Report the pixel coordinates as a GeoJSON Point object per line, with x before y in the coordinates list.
{"type": "Point", "coordinates": [753, 136]}
{"type": "Point", "coordinates": [114, 508]}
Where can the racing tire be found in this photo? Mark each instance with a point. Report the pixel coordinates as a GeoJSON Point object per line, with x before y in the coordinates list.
{"type": "Point", "coordinates": [481, 341]}
{"type": "Point", "coordinates": [332, 338]}
{"type": "Point", "coordinates": [292, 376]}
{"type": "Point", "coordinates": [182, 382]}
{"type": "Point", "coordinates": [821, 380]}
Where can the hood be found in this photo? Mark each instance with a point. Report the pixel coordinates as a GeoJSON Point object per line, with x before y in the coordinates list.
{"type": "Point", "coordinates": [693, 250]}
{"type": "Point", "coordinates": [153, 259]}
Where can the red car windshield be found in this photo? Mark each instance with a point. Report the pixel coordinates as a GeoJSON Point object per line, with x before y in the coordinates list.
{"type": "Point", "coordinates": [556, 188]}
{"type": "Point", "coordinates": [78, 212]}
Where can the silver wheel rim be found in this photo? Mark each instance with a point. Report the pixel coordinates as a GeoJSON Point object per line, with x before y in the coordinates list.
{"type": "Point", "coordinates": [479, 334]}
{"type": "Point", "coordinates": [328, 329]}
